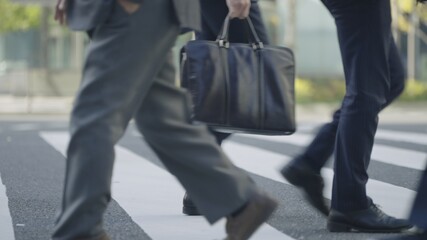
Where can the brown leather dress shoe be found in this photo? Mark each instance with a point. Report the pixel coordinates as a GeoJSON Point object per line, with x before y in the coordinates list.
{"type": "Point", "coordinates": [257, 211]}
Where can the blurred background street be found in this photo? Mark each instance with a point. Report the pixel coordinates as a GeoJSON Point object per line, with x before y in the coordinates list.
{"type": "Point", "coordinates": [40, 67]}
{"type": "Point", "coordinates": [39, 59]}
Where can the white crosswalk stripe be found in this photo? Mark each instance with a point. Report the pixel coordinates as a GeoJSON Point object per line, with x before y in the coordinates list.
{"type": "Point", "coordinates": [400, 136]}
{"type": "Point", "coordinates": [386, 154]}
{"type": "Point", "coordinates": [157, 213]}
{"type": "Point", "coordinates": [395, 200]}
{"type": "Point", "coordinates": [6, 225]}
{"type": "Point", "coordinates": [384, 134]}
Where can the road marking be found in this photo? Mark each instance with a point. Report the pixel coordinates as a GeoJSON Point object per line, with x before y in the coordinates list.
{"type": "Point", "coordinates": [24, 127]}
{"type": "Point", "coordinates": [391, 135]}
{"type": "Point", "coordinates": [418, 138]}
{"type": "Point", "coordinates": [400, 157]}
{"type": "Point", "coordinates": [385, 134]}
{"type": "Point", "coordinates": [395, 200]}
{"type": "Point", "coordinates": [153, 198]}
{"type": "Point", "coordinates": [381, 153]}
{"type": "Point", "coordinates": [6, 224]}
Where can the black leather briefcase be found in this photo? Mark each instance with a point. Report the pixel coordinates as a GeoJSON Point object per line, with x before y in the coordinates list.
{"type": "Point", "coordinates": [239, 87]}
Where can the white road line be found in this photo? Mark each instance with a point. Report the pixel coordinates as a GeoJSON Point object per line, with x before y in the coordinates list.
{"type": "Point", "coordinates": [384, 134]}
{"type": "Point", "coordinates": [381, 153]}
{"type": "Point", "coordinates": [400, 157]}
{"type": "Point", "coordinates": [153, 198]}
{"type": "Point", "coordinates": [391, 135]}
{"type": "Point", "coordinates": [24, 127]}
{"type": "Point", "coordinates": [6, 224]}
{"type": "Point", "coordinates": [399, 136]}
{"type": "Point", "coordinates": [393, 199]}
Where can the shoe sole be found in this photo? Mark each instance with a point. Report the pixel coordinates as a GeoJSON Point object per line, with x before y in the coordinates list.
{"type": "Point", "coordinates": [341, 227]}
{"type": "Point", "coordinates": [288, 174]}
{"type": "Point", "coordinates": [190, 211]}
{"type": "Point", "coordinates": [103, 236]}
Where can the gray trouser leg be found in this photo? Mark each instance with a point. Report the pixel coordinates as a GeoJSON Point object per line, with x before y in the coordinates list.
{"type": "Point", "coordinates": [190, 151]}
{"type": "Point", "coordinates": [123, 58]}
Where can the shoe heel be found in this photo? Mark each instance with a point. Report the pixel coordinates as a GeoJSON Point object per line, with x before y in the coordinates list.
{"type": "Point", "coordinates": [338, 227]}
{"type": "Point", "coordinates": [190, 211]}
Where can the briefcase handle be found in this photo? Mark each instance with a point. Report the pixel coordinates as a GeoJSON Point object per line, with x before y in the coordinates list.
{"type": "Point", "coordinates": [222, 38]}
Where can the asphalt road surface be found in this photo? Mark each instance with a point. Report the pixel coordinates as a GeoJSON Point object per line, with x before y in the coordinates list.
{"type": "Point", "coordinates": [147, 199]}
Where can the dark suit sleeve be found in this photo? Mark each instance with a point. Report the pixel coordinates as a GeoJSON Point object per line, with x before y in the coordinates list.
{"type": "Point", "coordinates": [213, 15]}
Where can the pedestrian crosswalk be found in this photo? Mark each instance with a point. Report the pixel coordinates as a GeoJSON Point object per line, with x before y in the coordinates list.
{"type": "Point", "coordinates": [6, 228]}
{"type": "Point", "coordinates": [153, 198]}
{"type": "Point", "coordinates": [400, 136]}
{"type": "Point", "coordinates": [156, 212]}
{"type": "Point", "coordinates": [390, 155]}
{"type": "Point", "coordinates": [394, 199]}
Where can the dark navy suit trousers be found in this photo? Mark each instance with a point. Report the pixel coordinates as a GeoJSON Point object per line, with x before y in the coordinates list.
{"type": "Point", "coordinates": [374, 77]}
{"type": "Point", "coordinates": [419, 210]}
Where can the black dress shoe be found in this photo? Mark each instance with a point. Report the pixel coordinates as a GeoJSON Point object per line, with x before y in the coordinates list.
{"type": "Point", "coordinates": [251, 217]}
{"type": "Point", "coordinates": [310, 182]}
{"type": "Point", "coordinates": [188, 207]}
{"type": "Point", "coordinates": [371, 220]}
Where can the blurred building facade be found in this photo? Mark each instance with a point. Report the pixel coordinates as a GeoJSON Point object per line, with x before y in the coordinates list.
{"type": "Point", "coordinates": [48, 60]}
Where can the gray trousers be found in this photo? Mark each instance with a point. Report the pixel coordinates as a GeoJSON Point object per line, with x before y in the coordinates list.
{"type": "Point", "coordinates": [129, 73]}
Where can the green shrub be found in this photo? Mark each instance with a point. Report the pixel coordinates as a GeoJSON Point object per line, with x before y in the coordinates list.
{"type": "Point", "coordinates": [309, 91]}
{"type": "Point", "coordinates": [414, 90]}
{"type": "Point", "coordinates": [303, 90]}
{"type": "Point", "coordinates": [17, 17]}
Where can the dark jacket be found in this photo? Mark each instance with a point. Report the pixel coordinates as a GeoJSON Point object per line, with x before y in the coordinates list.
{"type": "Point", "coordinates": [84, 15]}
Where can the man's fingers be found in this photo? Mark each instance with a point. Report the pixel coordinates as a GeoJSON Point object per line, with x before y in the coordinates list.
{"type": "Point", "coordinates": [238, 8]}
{"type": "Point", "coordinates": [59, 16]}
{"type": "Point", "coordinates": [233, 14]}
{"type": "Point", "coordinates": [60, 11]}
{"type": "Point", "coordinates": [245, 12]}
{"type": "Point", "coordinates": [61, 5]}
